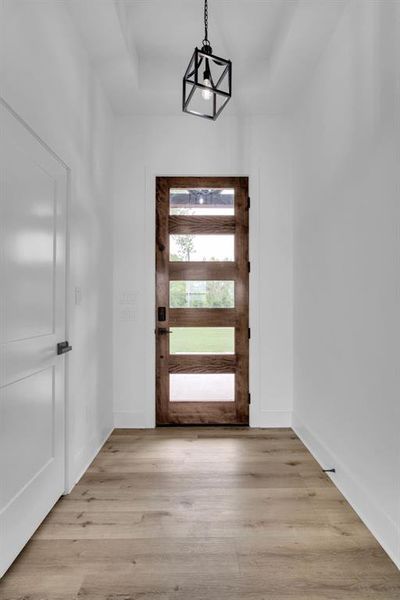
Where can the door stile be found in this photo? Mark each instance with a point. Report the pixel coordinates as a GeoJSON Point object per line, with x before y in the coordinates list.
{"type": "Point", "coordinates": [242, 302]}
{"type": "Point", "coordinates": [162, 290]}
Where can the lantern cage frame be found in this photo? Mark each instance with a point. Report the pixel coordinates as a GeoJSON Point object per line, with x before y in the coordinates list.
{"type": "Point", "coordinates": [192, 81]}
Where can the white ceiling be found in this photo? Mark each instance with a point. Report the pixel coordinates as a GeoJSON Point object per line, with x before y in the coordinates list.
{"type": "Point", "coordinates": [141, 48]}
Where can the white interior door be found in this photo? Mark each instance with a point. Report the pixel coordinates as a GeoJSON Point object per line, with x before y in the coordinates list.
{"type": "Point", "coordinates": [32, 321]}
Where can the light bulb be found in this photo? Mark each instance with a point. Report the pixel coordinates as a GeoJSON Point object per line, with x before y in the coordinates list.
{"type": "Point", "coordinates": [206, 93]}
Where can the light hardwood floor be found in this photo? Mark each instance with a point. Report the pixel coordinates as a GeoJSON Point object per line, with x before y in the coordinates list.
{"type": "Point", "coordinates": [203, 514]}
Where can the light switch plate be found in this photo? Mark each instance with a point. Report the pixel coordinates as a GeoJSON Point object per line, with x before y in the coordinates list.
{"type": "Point", "coordinates": [128, 298]}
{"type": "Point", "coordinates": [126, 315]}
{"type": "Point", "coordinates": [78, 296]}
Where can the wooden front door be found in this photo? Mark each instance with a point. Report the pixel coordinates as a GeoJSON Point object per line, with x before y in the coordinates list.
{"type": "Point", "coordinates": [202, 300]}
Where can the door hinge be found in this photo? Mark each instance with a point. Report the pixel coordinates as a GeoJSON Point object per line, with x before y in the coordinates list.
{"type": "Point", "coordinates": [249, 333]}
{"type": "Point", "coordinates": [248, 266]}
{"type": "Point", "coordinates": [249, 398]}
{"type": "Point", "coordinates": [248, 202]}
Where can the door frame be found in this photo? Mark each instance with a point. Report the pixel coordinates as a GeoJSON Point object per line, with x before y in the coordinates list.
{"type": "Point", "coordinates": [146, 419]}
{"type": "Point", "coordinates": [69, 480]}
{"type": "Point", "coordinates": [209, 413]}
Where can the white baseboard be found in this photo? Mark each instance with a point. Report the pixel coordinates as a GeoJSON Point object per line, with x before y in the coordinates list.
{"type": "Point", "coordinates": [382, 527]}
{"type": "Point", "coordinates": [271, 418]}
{"type": "Point", "coordinates": [132, 420]}
{"type": "Point", "coordinates": [84, 462]}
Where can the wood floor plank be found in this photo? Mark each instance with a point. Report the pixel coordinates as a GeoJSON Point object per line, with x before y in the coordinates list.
{"type": "Point", "coordinates": [295, 583]}
{"type": "Point", "coordinates": [141, 555]}
{"type": "Point", "coordinates": [203, 514]}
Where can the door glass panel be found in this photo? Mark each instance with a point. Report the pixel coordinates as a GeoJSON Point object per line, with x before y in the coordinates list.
{"type": "Point", "coordinates": [202, 340]}
{"type": "Point", "coordinates": [202, 388]}
{"type": "Point", "coordinates": [202, 294]}
{"type": "Point", "coordinates": [201, 247]}
{"type": "Point", "coordinates": [202, 201]}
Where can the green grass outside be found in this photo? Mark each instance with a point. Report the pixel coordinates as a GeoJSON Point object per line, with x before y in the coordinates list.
{"type": "Point", "coordinates": [202, 339]}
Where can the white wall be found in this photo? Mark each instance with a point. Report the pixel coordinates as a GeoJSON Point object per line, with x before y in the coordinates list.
{"type": "Point", "coordinates": [346, 264]}
{"type": "Point", "coordinates": [47, 79]}
{"type": "Point", "coordinates": [185, 145]}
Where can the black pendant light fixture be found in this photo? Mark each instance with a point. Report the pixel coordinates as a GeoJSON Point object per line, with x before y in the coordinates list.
{"type": "Point", "coordinates": [207, 83]}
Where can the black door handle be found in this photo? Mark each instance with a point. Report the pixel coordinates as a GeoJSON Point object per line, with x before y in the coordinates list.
{"type": "Point", "coordinates": [164, 331]}
{"type": "Point", "coordinates": [63, 347]}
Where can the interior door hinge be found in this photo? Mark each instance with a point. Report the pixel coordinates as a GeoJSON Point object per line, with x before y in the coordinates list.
{"type": "Point", "coordinates": [249, 333]}
{"type": "Point", "coordinates": [248, 202]}
{"type": "Point", "coordinates": [249, 398]}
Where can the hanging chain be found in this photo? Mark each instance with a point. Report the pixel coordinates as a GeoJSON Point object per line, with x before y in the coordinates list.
{"type": "Point", "coordinates": [205, 41]}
